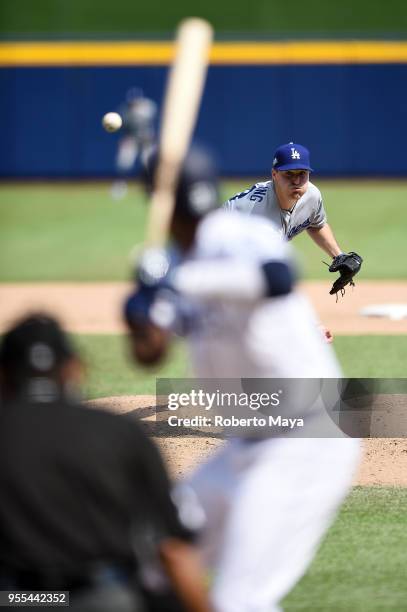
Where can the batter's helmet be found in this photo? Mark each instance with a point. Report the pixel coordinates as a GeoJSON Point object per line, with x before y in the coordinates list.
{"type": "Point", "coordinates": [197, 191]}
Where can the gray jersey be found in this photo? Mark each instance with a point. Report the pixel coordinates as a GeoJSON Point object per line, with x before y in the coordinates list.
{"type": "Point", "coordinates": [261, 199]}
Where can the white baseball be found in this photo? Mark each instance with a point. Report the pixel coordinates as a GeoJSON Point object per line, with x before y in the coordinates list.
{"type": "Point", "coordinates": [112, 122]}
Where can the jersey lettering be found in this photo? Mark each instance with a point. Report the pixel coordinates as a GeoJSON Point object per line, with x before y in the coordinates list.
{"type": "Point", "coordinates": [259, 194]}
{"type": "Point", "coordinates": [298, 228]}
{"type": "Point", "coordinates": [242, 194]}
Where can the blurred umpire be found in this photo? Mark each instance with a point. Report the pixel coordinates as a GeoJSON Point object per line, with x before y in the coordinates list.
{"type": "Point", "coordinates": [85, 504]}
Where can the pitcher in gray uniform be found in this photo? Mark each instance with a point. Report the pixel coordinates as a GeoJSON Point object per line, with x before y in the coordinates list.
{"type": "Point", "coordinates": [289, 199]}
{"type": "Point", "coordinates": [294, 204]}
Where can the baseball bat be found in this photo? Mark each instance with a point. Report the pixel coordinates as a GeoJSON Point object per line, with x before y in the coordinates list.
{"type": "Point", "coordinates": [181, 105]}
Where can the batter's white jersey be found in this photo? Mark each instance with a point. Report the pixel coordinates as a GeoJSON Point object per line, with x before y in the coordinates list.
{"type": "Point", "coordinates": [267, 506]}
{"type": "Point", "coordinates": [261, 199]}
{"type": "Point", "coordinates": [267, 503]}
{"type": "Point", "coordinates": [236, 333]}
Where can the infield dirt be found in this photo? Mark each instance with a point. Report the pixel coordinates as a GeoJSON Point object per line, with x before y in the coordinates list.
{"type": "Point", "coordinates": [87, 308]}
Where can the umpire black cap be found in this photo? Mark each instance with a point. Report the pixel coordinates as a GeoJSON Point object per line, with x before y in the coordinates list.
{"type": "Point", "coordinates": [197, 192]}
{"type": "Point", "coordinates": [35, 346]}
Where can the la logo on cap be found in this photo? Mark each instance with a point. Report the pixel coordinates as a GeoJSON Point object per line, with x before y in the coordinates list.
{"type": "Point", "coordinates": [291, 156]}
{"type": "Point", "coordinates": [295, 154]}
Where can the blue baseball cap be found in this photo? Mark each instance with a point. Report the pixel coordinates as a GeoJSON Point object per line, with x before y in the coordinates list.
{"type": "Point", "coordinates": [292, 157]}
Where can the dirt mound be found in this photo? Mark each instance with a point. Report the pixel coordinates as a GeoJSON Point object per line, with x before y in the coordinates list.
{"type": "Point", "coordinates": [384, 462]}
{"type": "Point", "coordinates": [384, 459]}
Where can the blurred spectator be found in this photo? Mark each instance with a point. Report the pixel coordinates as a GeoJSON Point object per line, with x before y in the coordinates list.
{"type": "Point", "coordinates": [138, 114]}
{"type": "Point", "coordinates": [85, 504]}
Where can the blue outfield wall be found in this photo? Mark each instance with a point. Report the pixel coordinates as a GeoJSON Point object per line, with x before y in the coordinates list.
{"type": "Point", "coordinates": [352, 117]}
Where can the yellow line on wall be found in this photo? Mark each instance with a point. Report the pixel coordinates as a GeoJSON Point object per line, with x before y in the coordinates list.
{"type": "Point", "coordinates": [342, 52]}
{"type": "Point", "coordinates": [84, 53]}
{"type": "Point", "coordinates": [223, 53]}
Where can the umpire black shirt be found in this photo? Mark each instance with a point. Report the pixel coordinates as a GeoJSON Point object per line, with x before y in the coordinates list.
{"type": "Point", "coordinates": [78, 486]}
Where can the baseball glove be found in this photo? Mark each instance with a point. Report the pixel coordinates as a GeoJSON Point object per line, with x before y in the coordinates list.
{"type": "Point", "coordinates": [348, 265]}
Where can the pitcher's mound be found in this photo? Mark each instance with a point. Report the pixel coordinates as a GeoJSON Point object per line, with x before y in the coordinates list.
{"type": "Point", "coordinates": [384, 459]}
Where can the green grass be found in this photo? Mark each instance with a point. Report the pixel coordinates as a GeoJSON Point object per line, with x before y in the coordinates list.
{"type": "Point", "coordinates": [110, 372]}
{"type": "Point", "coordinates": [75, 232]}
{"type": "Point", "coordinates": [367, 218]}
{"type": "Point", "coordinates": [361, 564]}
{"type": "Point", "coordinates": [129, 17]}
{"type": "Point", "coordinates": [67, 232]}
{"type": "Point", "coordinates": [372, 356]}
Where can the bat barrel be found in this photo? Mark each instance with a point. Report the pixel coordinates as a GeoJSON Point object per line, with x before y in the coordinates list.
{"type": "Point", "coordinates": [182, 99]}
